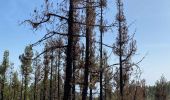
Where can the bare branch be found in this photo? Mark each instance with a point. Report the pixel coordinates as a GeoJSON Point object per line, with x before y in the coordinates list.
{"type": "Point", "coordinates": [55, 15]}
{"type": "Point", "coordinates": [86, 7]}
{"type": "Point", "coordinates": [48, 49]}
{"type": "Point", "coordinates": [52, 33]}
{"type": "Point", "coordinates": [94, 25]}
{"type": "Point", "coordinates": [45, 19]}
{"type": "Point", "coordinates": [104, 44]}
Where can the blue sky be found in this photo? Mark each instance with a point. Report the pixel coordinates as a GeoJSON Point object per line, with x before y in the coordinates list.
{"type": "Point", "coordinates": [152, 22]}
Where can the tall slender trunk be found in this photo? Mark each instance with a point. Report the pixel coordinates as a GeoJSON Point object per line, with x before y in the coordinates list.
{"type": "Point", "coordinates": [58, 66]}
{"type": "Point", "coordinates": [101, 51]}
{"type": "Point", "coordinates": [86, 71]}
{"type": "Point", "coordinates": [59, 58]}
{"type": "Point", "coordinates": [91, 90]}
{"type": "Point", "coordinates": [45, 83]}
{"type": "Point", "coordinates": [105, 86]}
{"type": "Point", "coordinates": [69, 58]}
{"type": "Point", "coordinates": [73, 86]}
{"type": "Point", "coordinates": [51, 74]}
{"type": "Point", "coordinates": [25, 88]}
{"type": "Point", "coordinates": [46, 71]}
{"type": "Point", "coordinates": [120, 52]}
{"type": "Point", "coordinates": [35, 85]}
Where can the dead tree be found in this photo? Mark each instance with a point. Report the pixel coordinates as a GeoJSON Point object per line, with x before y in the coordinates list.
{"type": "Point", "coordinates": [51, 73]}
{"type": "Point", "coordinates": [124, 48]}
{"type": "Point", "coordinates": [46, 72]}
{"type": "Point", "coordinates": [90, 20]}
{"type": "Point", "coordinates": [69, 53]}
{"type": "Point", "coordinates": [101, 49]}
{"type": "Point", "coordinates": [37, 76]}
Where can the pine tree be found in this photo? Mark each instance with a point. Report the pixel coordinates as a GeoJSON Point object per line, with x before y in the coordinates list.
{"type": "Point", "coordinates": [90, 20]}
{"type": "Point", "coordinates": [107, 74]}
{"type": "Point", "coordinates": [15, 86]}
{"type": "Point", "coordinates": [10, 80]}
{"type": "Point", "coordinates": [26, 60]}
{"type": "Point", "coordinates": [3, 68]}
{"type": "Point", "coordinates": [59, 58]}
{"type": "Point", "coordinates": [37, 76]}
{"type": "Point", "coordinates": [161, 90]}
{"type": "Point", "coordinates": [46, 72]}
{"type": "Point", "coordinates": [124, 48]}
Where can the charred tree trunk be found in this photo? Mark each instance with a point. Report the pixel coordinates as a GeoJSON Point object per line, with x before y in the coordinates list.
{"type": "Point", "coordinates": [46, 71]}
{"type": "Point", "coordinates": [91, 90]}
{"type": "Point", "coordinates": [120, 50]}
{"type": "Point", "coordinates": [86, 70]}
{"type": "Point", "coordinates": [51, 74]}
{"type": "Point", "coordinates": [101, 50]}
{"type": "Point", "coordinates": [69, 53]}
{"type": "Point", "coordinates": [73, 87]}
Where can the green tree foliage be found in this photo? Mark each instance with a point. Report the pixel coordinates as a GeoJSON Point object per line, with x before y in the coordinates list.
{"type": "Point", "coordinates": [161, 89]}
{"type": "Point", "coordinates": [15, 86]}
{"type": "Point", "coordinates": [3, 69]}
{"type": "Point", "coordinates": [26, 60]}
{"type": "Point", "coordinates": [72, 63]}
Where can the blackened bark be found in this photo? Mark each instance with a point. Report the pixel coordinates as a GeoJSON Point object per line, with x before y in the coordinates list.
{"type": "Point", "coordinates": [69, 53]}
{"type": "Point", "coordinates": [101, 51]}
{"type": "Point", "coordinates": [91, 90]}
{"type": "Point", "coordinates": [46, 71]}
{"type": "Point", "coordinates": [73, 86]}
{"type": "Point", "coordinates": [51, 74]}
{"type": "Point", "coordinates": [120, 51]}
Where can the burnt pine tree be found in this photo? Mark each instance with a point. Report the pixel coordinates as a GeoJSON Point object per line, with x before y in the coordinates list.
{"type": "Point", "coordinates": [68, 18]}
{"type": "Point", "coordinates": [125, 46]}
{"type": "Point", "coordinates": [93, 70]}
{"type": "Point", "coordinates": [58, 64]}
{"type": "Point", "coordinates": [90, 20]}
{"type": "Point", "coordinates": [46, 72]}
{"type": "Point", "coordinates": [51, 73]}
{"type": "Point", "coordinates": [37, 75]}
{"type": "Point", "coordinates": [102, 3]}
{"type": "Point", "coordinates": [26, 60]}
{"type": "Point", "coordinates": [76, 31]}
{"type": "Point", "coordinates": [56, 55]}
{"type": "Point", "coordinates": [107, 74]}
{"type": "Point", "coordinates": [69, 52]}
